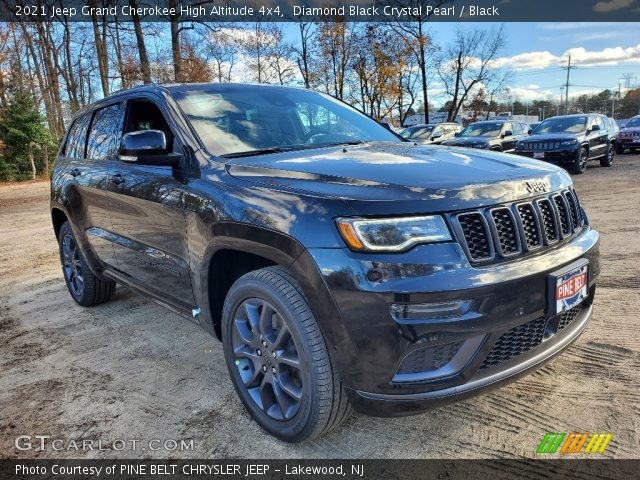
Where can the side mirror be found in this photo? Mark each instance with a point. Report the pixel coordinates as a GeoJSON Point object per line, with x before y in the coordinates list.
{"type": "Point", "coordinates": [436, 135]}
{"type": "Point", "coordinates": [530, 131]}
{"type": "Point", "coordinates": [147, 147]}
{"type": "Point", "coordinates": [457, 134]}
{"type": "Point", "coordinates": [507, 133]}
{"type": "Point", "coordinates": [595, 128]}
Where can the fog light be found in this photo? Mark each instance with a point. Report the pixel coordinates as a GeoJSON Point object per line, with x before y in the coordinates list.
{"type": "Point", "coordinates": [430, 311]}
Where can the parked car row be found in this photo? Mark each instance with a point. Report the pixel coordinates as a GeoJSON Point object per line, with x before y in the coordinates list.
{"type": "Point", "coordinates": [571, 141]}
{"type": "Point", "coordinates": [434, 133]}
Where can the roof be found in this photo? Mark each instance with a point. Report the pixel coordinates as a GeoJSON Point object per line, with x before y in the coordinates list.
{"type": "Point", "coordinates": [170, 88]}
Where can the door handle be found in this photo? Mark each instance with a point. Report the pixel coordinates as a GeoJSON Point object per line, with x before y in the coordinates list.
{"type": "Point", "coordinates": [117, 179]}
{"type": "Point", "coordinates": [75, 172]}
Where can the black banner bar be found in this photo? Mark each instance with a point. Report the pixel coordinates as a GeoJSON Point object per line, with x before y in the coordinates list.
{"type": "Point", "coordinates": [323, 10]}
{"type": "Point", "coordinates": [318, 469]}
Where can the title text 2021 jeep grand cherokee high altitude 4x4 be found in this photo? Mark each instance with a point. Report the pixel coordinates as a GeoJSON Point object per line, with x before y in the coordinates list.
{"type": "Point", "coordinates": [340, 266]}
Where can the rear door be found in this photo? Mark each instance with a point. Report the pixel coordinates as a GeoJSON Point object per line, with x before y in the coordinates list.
{"type": "Point", "coordinates": [508, 141]}
{"type": "Point", "coordinates": [90, 170]}
{"type": "Point", "coordinates": [148, 217]}
{"type": "Point", "coordinates": [598, 139]}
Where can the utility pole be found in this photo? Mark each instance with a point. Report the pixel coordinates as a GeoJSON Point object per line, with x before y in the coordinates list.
{"type": "Point", "coordinates": [627, 80]}
{"type": "Point", "coordinates": [569, 67]}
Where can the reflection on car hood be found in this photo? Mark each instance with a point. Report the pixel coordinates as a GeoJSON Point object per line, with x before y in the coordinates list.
{"type": "Point", "coordinates": [386, 177]}
{"type": "Point", "coordinates": [553, 137]}
{"type": "Point", "coordinates": [469, 140]}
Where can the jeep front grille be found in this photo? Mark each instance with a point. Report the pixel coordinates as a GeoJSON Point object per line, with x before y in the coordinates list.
{"type": "Point", "coordinates": [507, 231]}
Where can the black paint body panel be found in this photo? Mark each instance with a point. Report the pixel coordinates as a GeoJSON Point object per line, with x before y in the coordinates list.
{"type": "Point", "coordinates": [159, 229]}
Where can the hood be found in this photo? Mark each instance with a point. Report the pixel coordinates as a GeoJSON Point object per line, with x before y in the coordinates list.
{"type": "Point", "coordinates": [389, 177]}
{"type": "Point", "coordinates": [459, 141]}
{"type": "Point", "coordinates": [630, 129]}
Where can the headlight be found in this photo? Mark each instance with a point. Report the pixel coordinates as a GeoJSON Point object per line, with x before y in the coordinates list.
{"type": "Point", "coordinates": [566, 143]}
{"type": "Point", "coordinates": [392, 234]}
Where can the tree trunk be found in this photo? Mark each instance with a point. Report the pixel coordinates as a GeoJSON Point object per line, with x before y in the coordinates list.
{"type": "Point", "coordinates": [422, 61]}
{"type": "Point", "coordinates": [101, 50]}
{"type": "Point", "coordinates": [72, 85]}
{"type": "Point", "coordinates": [31, 162]}
{"type": "Point", "coordinates": [454, 102]}
{"type": "Point", "coordinates": [175, 43]}
{"type": "Point", "coordinates": [142, 48]}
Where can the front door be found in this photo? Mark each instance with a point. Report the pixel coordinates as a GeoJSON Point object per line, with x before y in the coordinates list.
{"type": "Point", "coordinates": [92, 177]}
{"type": "Point", "coordinates": [148, 218]}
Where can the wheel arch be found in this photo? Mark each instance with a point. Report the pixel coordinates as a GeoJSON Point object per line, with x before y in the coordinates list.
{"type": "Point", "coordinates": [58, 217]}
{"type": "Point", "coordinates": [234, 250]}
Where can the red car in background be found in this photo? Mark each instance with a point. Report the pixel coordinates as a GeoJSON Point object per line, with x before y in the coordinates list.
{"type": "Point", "coordinates": [629, 136]}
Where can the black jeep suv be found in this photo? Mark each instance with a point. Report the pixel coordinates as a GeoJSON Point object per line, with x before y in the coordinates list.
{"type": "Point", "coordinates": [496, 135]}
{"type": "Point", "coordinates": [340, 265]}
{"type": "Point", "coordinates": [571, 141]}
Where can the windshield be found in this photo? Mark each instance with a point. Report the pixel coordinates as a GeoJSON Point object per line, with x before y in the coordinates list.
{"type": "Point", "coordinates": [417, 132]}
{"type": "Point", "coordinates": [237, 120]}
{"type": "Point", "coordinates": [634, 122]}
{"type": "Point", "coordinates": [562, 125]}
{"type": "Point", "coordinates": [482, 130]}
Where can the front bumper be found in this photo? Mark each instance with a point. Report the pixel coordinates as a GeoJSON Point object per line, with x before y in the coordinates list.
{"type": "Point", "coordinates": [494, 301]}
{"type": "Point", "coordinates": [629, 143]}
{"type": "Point", "coordinates": [558, 156]}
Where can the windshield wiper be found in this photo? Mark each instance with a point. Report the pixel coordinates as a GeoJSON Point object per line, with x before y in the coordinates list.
{"type": "Point", "coordinates": [251, 153]}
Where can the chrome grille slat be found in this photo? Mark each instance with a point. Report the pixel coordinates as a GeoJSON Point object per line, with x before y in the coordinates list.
{"type": "Point", "coordinates": [510, 231]}
{"type": "Point", "coordinates": [530, 227]}
{"type": "Point", "coordinates": [563, 215]}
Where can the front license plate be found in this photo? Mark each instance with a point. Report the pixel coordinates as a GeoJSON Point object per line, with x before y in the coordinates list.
{"type": "Point", "coordinates": [570, 288]}
{"type": "Point", "coordinates": [538, 154]}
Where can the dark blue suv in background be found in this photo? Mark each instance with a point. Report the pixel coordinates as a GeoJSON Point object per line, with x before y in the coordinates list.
{"type": "Point", "coordinates": [339, 265]}
{"type": "Point", "coordinates": [572, 141]}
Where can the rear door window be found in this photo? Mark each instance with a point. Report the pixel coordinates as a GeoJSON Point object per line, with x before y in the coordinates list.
{"type": "Point", "coordinates": [106, 132]}
{"type": "Point", "coordinates": [77, 139]}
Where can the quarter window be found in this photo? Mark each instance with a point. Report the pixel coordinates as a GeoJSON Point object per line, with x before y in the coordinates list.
{"type": "Point", "coordinates": [105, 133]}
{"type": "Point", "coordinates": [77, 138]}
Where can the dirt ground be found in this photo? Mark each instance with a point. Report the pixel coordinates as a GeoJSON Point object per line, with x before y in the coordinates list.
{"type": "Point", "coordinates": [130, 369]}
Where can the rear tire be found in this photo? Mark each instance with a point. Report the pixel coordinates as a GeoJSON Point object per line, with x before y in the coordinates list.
{"type": "Point", "coordinates": [607, 160]}
{"type": "Point", "coordinates": [580, 163]}
{"type": "Point", "coordinates": [85, 288]}
{"type": "Point", "coordinates": [278, 359]}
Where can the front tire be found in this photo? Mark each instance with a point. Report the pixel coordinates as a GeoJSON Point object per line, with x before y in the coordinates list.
{"type": "Point", "coordinates": [580, 163]}
{"type": "Point", "coordinates": [277, 357]}
{"type": "Point", "coordinates": [85, 288]}
{"type": "Point", "coordinates": [607, 160]}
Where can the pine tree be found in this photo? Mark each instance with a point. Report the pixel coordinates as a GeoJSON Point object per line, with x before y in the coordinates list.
{"type": "Point", "coordinates": [24, 139]}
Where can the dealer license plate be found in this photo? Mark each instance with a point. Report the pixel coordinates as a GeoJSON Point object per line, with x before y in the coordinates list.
{"type": "Point", "coordinates": [570, 288]}
{"type": "Point", "coordinates": [538, 154]}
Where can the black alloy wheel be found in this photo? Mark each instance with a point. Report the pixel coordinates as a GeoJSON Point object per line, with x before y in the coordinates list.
{"type": "Point", "coordinates": [580, 163]}
{"type": "Point", "coordinates": [267, 359]}
{"type": "Point", "coordinates": [278, 359]}
{"type": "Point", "coordinates": [607, 160]}
{"type": "Point", "coordinates": [84, 286]}
{"type": "Point", "coordinates": [72, 266]}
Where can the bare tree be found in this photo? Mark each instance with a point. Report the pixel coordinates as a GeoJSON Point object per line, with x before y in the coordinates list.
{"type": "Point", "coordinates": [222, 48]}
{"type": "Point", "coordinates": [414, 33]}
{"type": "Point", "coordinates": [469, 63]}
{"type": "Point", "coordinates": [303, 52]}
{"type": "Point", "coordinates": [142, 48]}
{"type": "Point", "coordinates": [336, 40]}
